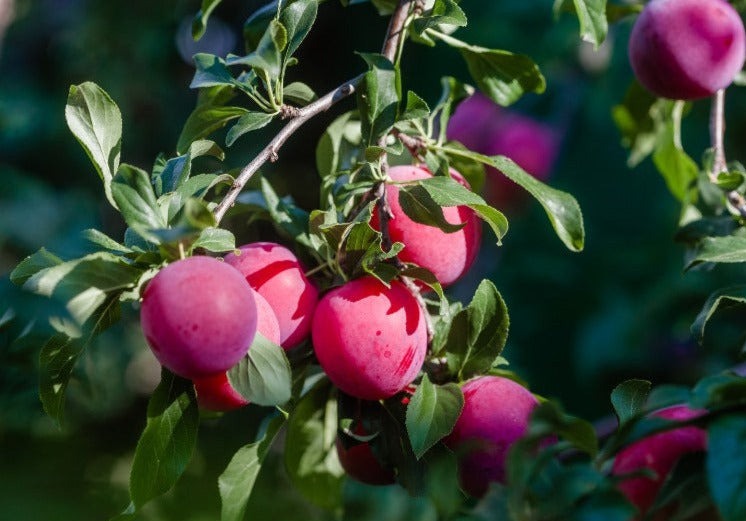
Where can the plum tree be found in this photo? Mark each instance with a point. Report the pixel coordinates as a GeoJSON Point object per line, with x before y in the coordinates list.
{"type": "Point", "coordinates": [361, 464]}
{"type": "Point", "coordinates": [495, 414]}
{"type": "Point", "coordinates": [447, 255]}
{"type": "Point", "coordinates": [370, 339]}
{"type": "Point", "coordinates": [276, 274]}
{"type": "Point", "coordinates": [199, 316]}
{"type": "Point", "coordinates": [659, 453]}
{"type": "Point", "coordinates": [687, 49]}
{"type": "Point", "coordinates": [215, 392]}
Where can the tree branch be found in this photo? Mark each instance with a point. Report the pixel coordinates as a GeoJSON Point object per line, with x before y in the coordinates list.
{"type": "Point", "coordinates": [269, 153]}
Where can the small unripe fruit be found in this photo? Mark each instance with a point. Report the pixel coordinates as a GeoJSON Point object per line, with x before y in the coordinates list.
{"type": "Point", "coordinates": [369, 339]}
{"type": "Point", "coordinates": [276, 274]}
{"type": "Point", "coordinates": [495, 414]}
{"type": "Point", "coordinates": [687, 49]}
{"type": "Point", "coordinates": [447, 255]}
{"type": "Point", "coordinates": [362, 465]}
{"type": "Point", "coordinates": [215, 392]}
{"type": "Point", "coordinates": [659, 453]}
{"type": "Point", "coordinates": [199, 316]}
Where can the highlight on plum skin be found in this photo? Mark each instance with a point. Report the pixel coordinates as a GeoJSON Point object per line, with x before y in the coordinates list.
{"type": "Point", "coordinates": [659, 453]}
{"type": "Point", "coordinates": [687, 49]}
{"type": "Point", "coordinates": [276, 274]}
{"type": "Point", "coordinates": [495, 415]}
{"type": "Point", "coordinates": [215, 392]}
{"type": "Point", "coordinates": [369, 339]}
{"type": "Point", "coordinates": [447, 255]}
{"type": "Point", "coordinates": [199, 316]}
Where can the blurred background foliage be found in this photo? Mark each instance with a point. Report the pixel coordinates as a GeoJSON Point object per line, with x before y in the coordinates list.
{"type": "Point", "coordinates": [580, 323]}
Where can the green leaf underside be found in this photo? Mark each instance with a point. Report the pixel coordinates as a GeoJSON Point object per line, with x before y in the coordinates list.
{"type": "Point", "coordinates": [167, 443]}
{"type": "Point", "coordinates": [432, 413]}
{"type": "Point", "coordinates": [95, 120]}
{"type": "Point", "coordinates": [263, 376]}
{"type": "Point", "coordinates": [731, 249]}
{"type": "Point", "coordinates": [238, 479]}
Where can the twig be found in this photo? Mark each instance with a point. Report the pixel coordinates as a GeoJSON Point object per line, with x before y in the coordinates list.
{"type": "Point", "coordinates": [719, 163]}
{"type": "Point", "coordinates": [396, 29]}
{"type": "Point", "coordinates": [269, 153]}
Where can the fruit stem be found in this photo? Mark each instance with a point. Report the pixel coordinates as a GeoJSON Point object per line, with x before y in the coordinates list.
{"type": "Point", "coordinates": [719, 163]}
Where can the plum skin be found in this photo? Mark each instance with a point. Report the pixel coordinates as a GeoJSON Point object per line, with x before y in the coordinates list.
{"type": "Point", "coordinates": [496, 413]}
{"type": "Point", "coordinates": [199, 316]}
{"type": "Point", "coordinates": [687, 49]}
{"type": "Point", "coordinates": [369, 339]}
{"type": "Point", "coordinates": [276, 274]}
{"type": "Point", "coordinates": [215, 392]}
{"type": "Point", "coordinates": [447, 255]}
{"type": "Point", "coordinates": [361, 464]}
{"type": "Point", "coordinates": [658, 452]}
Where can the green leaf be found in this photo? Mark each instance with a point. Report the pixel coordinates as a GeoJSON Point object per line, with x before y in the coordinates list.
{"type": "Point", "coordinates": [135, 197]}
{"type": "Point", "coordinates": [592, 17]}
{"type": "Point", "coordinates": [677, 168]}
{"type": "Point", "coordinates": [561, 208]}
{"type": "Point", "coordinates": [100, 239]}
{"type": "Point", "coordinates": [216, 240]}
{"type": "Point", "coordinates": [299, 93]}
{"type": "Point", "coordinates": [502, 75]}
{"type": "Point", "coordinates": [246, 123]}
{"type": "Point", "coordinates": [310, 454]}
{"type": "Point", "coordinates": [416, 108]}
{"type": "Point", "coordinates": [263, 376]}
{"type": "Point", "coordinates": [59, 355]}
{"type": "Point", "coordinates": [83, 284]}
{"type": "Point", "coordinates": [289, 218]}
{"type": "Point", "coordinates": [209, 115]}
{"type": "Point", "coordinates": [267, 56]}
{"type": "Point", "coordinates": [446, 191]}
{"type": "Point", "coordinates": [177, 170]}
{"type": "Point", "coordinates": [419, 206]}
{"type": "Point", "coordinates": [96, 122]}
{"type": "Point", "coordinates": [378, 98]}
{"type": "Point", "coordinates": [237, 480]}
{"type": "Point", "coordinates": [628, 398]}
{"type": "Point", "coordinates": [638, 119]}
{"type": "Point", "coordinates": [335, 151]}
{"type": "Point", "coordinates": [549, 418]}
{"type": "Point", "coordinates": [32, 265]}
{"type": "Point", "coordinates": [298, 17]}
{"type": "Point", "coordinates": [212, 71]}
{"type": "Point", "coordinates": [432, 413]}
{"type": "Point", "coordinates": [719, 391]}
{"type": "Point", "coordinates": [726, 297]}
{"type": "Point", "coordinates": [731, 249]}
{"type": "Point", "coordinates": [443, 12]}
{"type": "Point", "coordinates": [199, 24]}
{"type": "Point", "coordinates": [478, 333]}
{"type": "Point", "coordinates": [726, 466]}
{"type": "Point", "coordinates": [166, 445]}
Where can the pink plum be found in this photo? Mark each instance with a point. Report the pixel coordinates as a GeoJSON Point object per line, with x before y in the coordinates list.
{"type": "Point", "coordinates": [659, 453]}
{"type": "Point", "coordinates": [472, 120]}
{"type": "Point", "coordinates": [495, 414]}
{"type": "Point", "coordinates": [447, 255]}
{"type": "Point", "coordinates": [277, 275]}
{"type": "Point", "coordinates": [362, 465]}
{"type": "Point", "coordinates": [215, 392]}
{"type": "Point", "coordinates": [687, 49]}
{"type": "Point", "coordinates": [199, 316]}
{"type": "Point", "coordinates": [369, 339]}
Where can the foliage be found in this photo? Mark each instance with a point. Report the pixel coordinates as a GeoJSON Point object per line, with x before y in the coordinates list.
{"type": "Point", "coordinates": [174, 210]}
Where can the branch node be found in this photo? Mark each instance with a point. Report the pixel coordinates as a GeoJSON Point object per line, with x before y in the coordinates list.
{"type": "Point", "coordinates": [288, 111]}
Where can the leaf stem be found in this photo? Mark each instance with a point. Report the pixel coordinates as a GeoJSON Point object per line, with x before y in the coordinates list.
{"type": "Point", "coordinates": [717, 141]}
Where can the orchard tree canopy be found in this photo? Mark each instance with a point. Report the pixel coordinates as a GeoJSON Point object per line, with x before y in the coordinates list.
{"type": "Point", "coordinates": [275, 277]}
